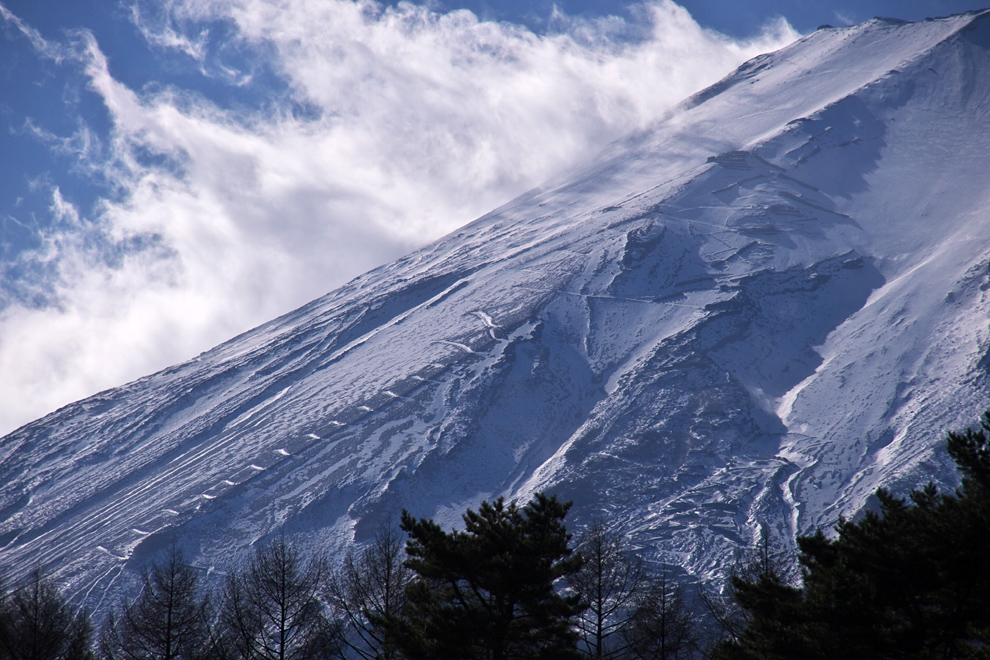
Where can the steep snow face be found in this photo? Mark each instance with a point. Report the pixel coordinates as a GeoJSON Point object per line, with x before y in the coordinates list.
{"type": "Point", "coordinates": [744, 319]}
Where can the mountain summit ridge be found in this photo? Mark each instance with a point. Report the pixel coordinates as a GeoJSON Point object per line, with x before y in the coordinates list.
{"type": "Point", "coordinates": [739, 321]}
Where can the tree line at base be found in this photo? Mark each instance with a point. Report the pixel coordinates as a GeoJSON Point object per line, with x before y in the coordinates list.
{"type": "Point", "coordinates": [910, 581]}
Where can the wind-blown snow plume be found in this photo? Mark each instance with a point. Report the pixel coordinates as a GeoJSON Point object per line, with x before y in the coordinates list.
{"type": "Point", "coordinates": [376, 130]}
{"type": "Point", "coordinates": [740, 320]}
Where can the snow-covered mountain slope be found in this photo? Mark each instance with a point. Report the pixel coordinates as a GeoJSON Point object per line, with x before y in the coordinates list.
{"type": "Point", "coordinates": [749, 316]}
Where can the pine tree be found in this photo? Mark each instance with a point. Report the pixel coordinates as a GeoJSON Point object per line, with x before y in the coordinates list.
{"type": "Point", "coordinates": [489, 592]}
{"type": "Point", "coordinates": [909, 582]}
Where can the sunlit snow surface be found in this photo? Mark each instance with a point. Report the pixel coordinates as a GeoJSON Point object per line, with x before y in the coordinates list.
{"type": "Point", "coordinates": [751, 315]}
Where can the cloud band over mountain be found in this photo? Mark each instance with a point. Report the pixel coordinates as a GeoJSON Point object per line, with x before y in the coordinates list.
{"type": "Point", "coordinates": [311, 142]}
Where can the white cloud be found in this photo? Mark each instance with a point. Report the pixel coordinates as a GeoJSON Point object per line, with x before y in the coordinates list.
{"type": "Point", "coordinates": [416, 123]}
{"type": "Point", "coordinates": [41, 46]}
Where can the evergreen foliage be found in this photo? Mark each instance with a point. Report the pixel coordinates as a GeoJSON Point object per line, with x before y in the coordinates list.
{"type": "Point", "coordinates": [910, 582]}
{"type": "Point", "coordinates": [489, 592]}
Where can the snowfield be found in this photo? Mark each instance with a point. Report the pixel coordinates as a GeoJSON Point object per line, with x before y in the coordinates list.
{"type": "Point", "coordinates": [744, 319]}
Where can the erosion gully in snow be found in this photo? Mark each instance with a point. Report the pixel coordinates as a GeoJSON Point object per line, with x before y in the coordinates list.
{"type": "Point", "coordinates": [740, 321]}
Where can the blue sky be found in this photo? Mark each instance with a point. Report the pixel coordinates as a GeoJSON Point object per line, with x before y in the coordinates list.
{"type": "Point", "coordinates": [739, 18]}
{"type": "Point", "coordinates": [176, 172]}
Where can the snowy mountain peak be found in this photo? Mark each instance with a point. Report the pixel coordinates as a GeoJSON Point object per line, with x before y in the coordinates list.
{"type": "Point", "coordinates": [746, 318]}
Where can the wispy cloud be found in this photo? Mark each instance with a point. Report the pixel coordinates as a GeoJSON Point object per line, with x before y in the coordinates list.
{"type": "Point", "coordinates": [843, 18]}
{"type": "Point", "coordinates": [395, 126]}
{"type": "Point", "coordinates": [43, 47]}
